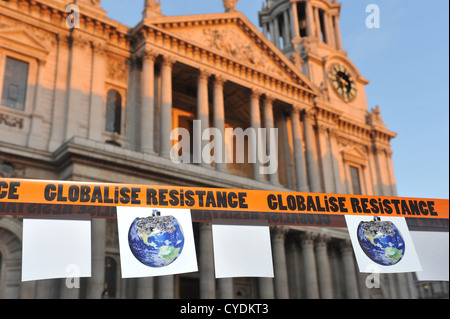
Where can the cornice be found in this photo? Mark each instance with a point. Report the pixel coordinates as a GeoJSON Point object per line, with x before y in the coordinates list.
{"type": "Point", "coordinates": [151, 167]}
{"type": "Point", "coordinates": [51, 16]}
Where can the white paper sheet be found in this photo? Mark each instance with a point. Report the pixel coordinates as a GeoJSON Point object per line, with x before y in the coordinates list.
{"type": "Point", "coordinates": [433, 251]}
{"type": "Point", "coordinates": [54, 248]}
{"type": "Point", "coordinates": [407, 263]}
{"type": "Point", "coordinates": [242, 250]}
{"type": "Point", "coordinates": [133, 265]}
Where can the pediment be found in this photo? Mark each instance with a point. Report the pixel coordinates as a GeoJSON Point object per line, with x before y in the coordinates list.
{"type": "Point", "coordinates": [355, 154]}
{"type": "Point", "coordinates": [22, 41]}
{"type": "Point", "coordinates": [232, 36]}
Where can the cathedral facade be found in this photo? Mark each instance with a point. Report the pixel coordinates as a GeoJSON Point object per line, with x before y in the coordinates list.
{"type": "Point", "coordinates": [86, 98]}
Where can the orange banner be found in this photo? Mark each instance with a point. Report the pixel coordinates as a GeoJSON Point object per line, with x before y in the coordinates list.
{"type": "Point", "coordinates": [24, 191]}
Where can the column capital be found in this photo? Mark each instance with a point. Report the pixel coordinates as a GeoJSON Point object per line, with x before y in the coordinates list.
{"type": "Point", "coordinates": [309, 113]}
{"type": "Point", "coordinates": [296, 110]}
{"type": "Point", "coordinates": [307, 238]}
{"type": "Point", "coordinates": [278, 232]}
{"type": "Point", "coordinates": [168, 61]}
{"type": "Point", "coordinates": [269, 99]}
{"type": "Point", "coordinates": [255, 93]}
{"type": "Point", "coordinates": [322, 240]}
{"type": "Point", "coordinates": [203, 75]}
{"type": "Point", "coordinates": [219, 80]}
{"type": "Point", "coordinates": [346, 246]}
{"type": "Point", "coordinates": [149, 55]}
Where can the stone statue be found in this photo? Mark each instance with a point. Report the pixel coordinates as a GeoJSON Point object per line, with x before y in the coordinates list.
{"type": "Point", "coordinates": [230, 5]}
{"type": "Point", "coordinates": [152, 8]}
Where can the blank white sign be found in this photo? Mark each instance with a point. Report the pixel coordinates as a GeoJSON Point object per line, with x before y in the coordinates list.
{"type": "Point", "coordinates": [54, 248]}
{"type": "Point", "coordinates": [242, 251]}
{"type": "Point", "coordinates": [432, 248]}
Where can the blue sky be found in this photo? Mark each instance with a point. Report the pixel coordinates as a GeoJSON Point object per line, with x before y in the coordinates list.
{"type": "Point", "coordinates": [406, 61]}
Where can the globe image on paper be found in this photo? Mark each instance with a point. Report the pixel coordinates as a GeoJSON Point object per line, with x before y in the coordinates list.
{"type": "Point", "coordinates": [156, 241]}
{"type": "Point", "coordinates": [381, 241]}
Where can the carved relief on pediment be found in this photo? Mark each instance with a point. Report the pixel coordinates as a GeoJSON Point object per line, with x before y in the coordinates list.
{"type": "Point", "coordinates": [233, 42]}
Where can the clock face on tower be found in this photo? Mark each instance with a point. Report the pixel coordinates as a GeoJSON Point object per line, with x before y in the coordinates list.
{"type": "Point", "coordinates": [342, 82]}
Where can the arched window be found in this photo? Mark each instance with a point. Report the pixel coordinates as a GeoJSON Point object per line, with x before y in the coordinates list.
{"type": "Point", "coordinates": [113, 112]}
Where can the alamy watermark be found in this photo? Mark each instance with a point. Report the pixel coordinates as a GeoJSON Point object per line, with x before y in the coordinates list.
{"type": "Point", "coordinates": [73, 19]}
{"type": "Point", "coordinates": [262, 146]}
{"type": "Point", "coordinates": [373, 279]}
{"type": "Point", "coordinates": [373, 19]}
{"type": "Point", "coordinates": [73, 276]}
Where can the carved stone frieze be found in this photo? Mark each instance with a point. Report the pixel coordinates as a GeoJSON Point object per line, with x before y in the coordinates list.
{"type": "Point", "coordinates": [117, 69]}
{"type": "Point", "coordinates": [231, 42]}
{"type": "Point", "coordinates": [11, 121]}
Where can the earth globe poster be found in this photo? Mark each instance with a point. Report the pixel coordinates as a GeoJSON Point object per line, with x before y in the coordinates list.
{"type": "Point", "coordinates": [382, 244]}
{"type": "Point", "coordinates": [155, 242]}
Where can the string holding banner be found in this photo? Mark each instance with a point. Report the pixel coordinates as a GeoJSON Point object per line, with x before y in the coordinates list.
{"type": "Point", "coordinates": [28, 197]}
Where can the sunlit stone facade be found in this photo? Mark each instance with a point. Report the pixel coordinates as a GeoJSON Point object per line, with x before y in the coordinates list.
{"type": "Point", "coordinates": [98, 103]}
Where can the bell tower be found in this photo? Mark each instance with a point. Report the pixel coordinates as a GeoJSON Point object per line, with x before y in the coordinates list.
{"type": "Point", "coordinates": [287, 22]}
{"type": "Point", "coordinates": [303, 28]}
{"type": "Point", "coordinates": [308, 32]}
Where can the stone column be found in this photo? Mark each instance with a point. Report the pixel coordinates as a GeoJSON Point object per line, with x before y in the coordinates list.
{"type": "Point", "coordinates": [413, 288]}
{"type": "Point", "coordinates": [299, 156]}
{"type": "Point", "coordinates": [57, 133]}
{"type": "Point", "coordinates": [145, 288]}
{"type": "Point", "coordinates": [266, 290]}
{"type": "Point", "coordinates": [310, 26]}
{"type": "Point", "coordinates": [329, 29]}
{"type": "Point", "coordinates": [403, 288]}
{"type": "Point", "coordinates": [286, 31]}
{"type": "Point", "coordinates": [351, 284]}
{"type": "Point", "coordinates": [219, 123]}
{"type": "Point", "coordinates": [311, 161]}
{"type": "Point", "coordinates": [206, 263]}
{"type": "Point", "coordinates": [166, 287]}
{"type": "Point", "coordinates": [46, 289]}
{"type": "Point", "coordinates": [337, 32]}
{"type": "Point", "coordinates": [317, 23]}
{"type": "Point", "coordinates": [75, 93]}
{"type": "Point", "coordinates": [279, 263]}
{"type": "Point", "coordinates": [255, 123]}
{"type": "Point", "coordinates": [270, 139]}
{"type": "Point", "coordinates": [202, 115]}
{"type": "Point", "coordinates": [166, 107]}
{"type": "Point", "coordinates": [312, 285]}
{"type": "Point", "coordinates": [35, 138]}
{"type": "Point", "coordinates": [382, 172]}
{"type": "Point", "coordinates": [225, 288]}
{"type": "Point", "coordinates": [148, 103]}
{"type": "Point", "coordinates": [97, 104]}
{"type": "Point", "coordinates": [266, 30]}
{"type": "Point", "coordinates": [295, 28]}
{"type": "Point", "coordinates": [95, 283]}
{"type": "Point", "coordinates": [294, 265]}
{"type": "Point", "coordinates": [277, 33]}
{"type": "Point", "coordinates": [390, 169]}
{"type": "Point", "coordinates": [272, 32]}
{"type": "Point", "coordinates": [335, 156]}
{"type": "Point", "coordinates": [323, 267]}
{"type": "Point", "coordinates": [325, 155]}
